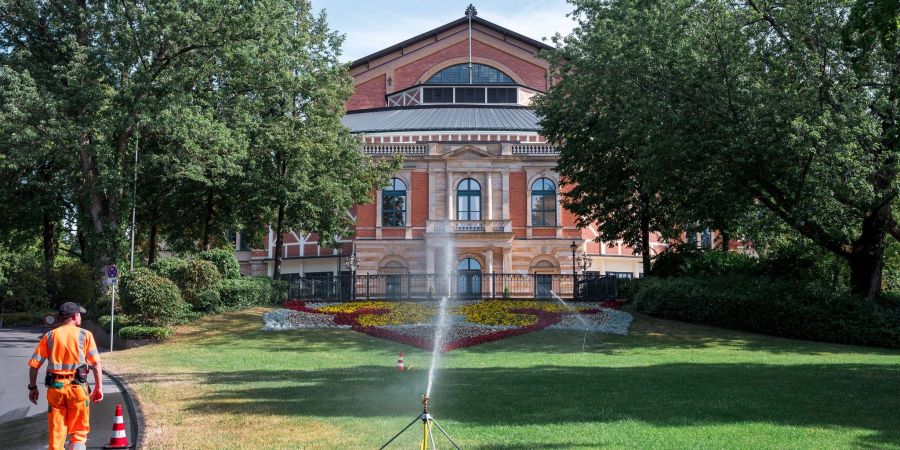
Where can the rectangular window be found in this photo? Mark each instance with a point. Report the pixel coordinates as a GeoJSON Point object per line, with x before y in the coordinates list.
{"type": "Point", "coordinates": [393, 210]}
{"type": "Point", "coordinates": [469, 95]}
{"type": "Point", "coordinates": [437, 95]}
{"type": "Point", "coordinates": [623, 275]}
{"type": "Point", "coordinates": [502, 95]}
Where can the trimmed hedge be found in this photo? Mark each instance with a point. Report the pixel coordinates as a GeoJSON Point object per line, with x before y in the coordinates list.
{"type": "Point", "coordinates": [225, 262]}
{"type": "Point", "coordinates": [772, 306]}
{"type": "Point", "coordinates": [251, 291]}
{"type": "Point", "coordinates": [144, 332]}
{"type": "Point", "coordinates": [151, 299]}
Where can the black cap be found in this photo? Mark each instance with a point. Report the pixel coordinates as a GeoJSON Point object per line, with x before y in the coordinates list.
{"type": "Point", "coordinates": [70, 309]}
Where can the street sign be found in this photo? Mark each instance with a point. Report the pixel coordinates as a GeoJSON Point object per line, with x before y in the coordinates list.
{"type": "Point", "coordinates": [112, 272]}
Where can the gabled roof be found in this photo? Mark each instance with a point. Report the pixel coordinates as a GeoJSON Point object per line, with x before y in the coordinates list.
{"type": "Point", "coordinates": [442, 118]}
{"type": "Point", "coordinates": [441, 29]}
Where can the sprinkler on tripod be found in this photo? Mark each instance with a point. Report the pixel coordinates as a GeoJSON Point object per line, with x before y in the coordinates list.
{"type": "Point", "coordinates": [427, 432]}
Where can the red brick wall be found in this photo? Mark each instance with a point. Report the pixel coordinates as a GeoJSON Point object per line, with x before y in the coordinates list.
{"type": "Point", "coordinates": [569, 219]}
{"type": "Point", "coordinates": [365, 219]}
{"type": "Point", "coordinates": [533, 75]}
{"type": "Point", "coordinates": [543, 232]}
{"type": "Point", "coordinates": [395, 233]}
{"type": "Point", "coordinates": [368, 95]}
{"type": "Point", "coordinates": [419, 199]}
{"type": "Point", "coordinates": [518, 207]}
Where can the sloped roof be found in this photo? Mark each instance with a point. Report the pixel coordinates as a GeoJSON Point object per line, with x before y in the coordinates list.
{"type": "Point", "coordinates": [445, 27]}
{"type": "Point", "coordinates": [442, 118]}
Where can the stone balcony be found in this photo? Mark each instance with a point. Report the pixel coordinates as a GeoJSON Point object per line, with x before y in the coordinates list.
{"type": "Point", "coordinates": [468, 226]}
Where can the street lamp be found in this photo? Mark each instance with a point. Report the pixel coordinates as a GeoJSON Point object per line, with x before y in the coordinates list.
{"type": "Point", "coordinates": [585, 262]}
{"type": "Point", "coordinates": [351, 263]}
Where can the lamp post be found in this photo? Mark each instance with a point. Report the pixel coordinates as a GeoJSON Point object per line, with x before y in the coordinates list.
{"type": "Point", "coordinates": [351, 264]}
{"type": "Point", "coordinates": [574, 247]}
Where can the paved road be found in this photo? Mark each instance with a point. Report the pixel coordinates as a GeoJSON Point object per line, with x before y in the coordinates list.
{"type": "Point", "coordinates": [24, 425]}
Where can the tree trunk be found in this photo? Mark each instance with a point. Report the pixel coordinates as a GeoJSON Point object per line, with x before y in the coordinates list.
{"type": "Point", "coordinates": [725, 240]}
{"type": "Point", "coordinates": [49, 244]}
{"type": "Point", "coordinates": [867, 259]}
{"type": "Point", "coordinates": [151, 244]}
{"type": "Point", "coordinates": [645, 242]}
{"type": "Point", "coordinates": [208, 222]}
{"type": "Point", "coordinates": [279, 242]}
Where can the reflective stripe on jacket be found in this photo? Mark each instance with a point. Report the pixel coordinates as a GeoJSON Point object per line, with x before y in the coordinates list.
{"type": "Point", "coordinates": [64, 349]}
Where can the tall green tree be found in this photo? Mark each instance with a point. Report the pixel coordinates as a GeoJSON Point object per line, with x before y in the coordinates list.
{"type": "Point", "coordinates": [308, 167]}
{"type": "Point", "coordinates": [779, 105]}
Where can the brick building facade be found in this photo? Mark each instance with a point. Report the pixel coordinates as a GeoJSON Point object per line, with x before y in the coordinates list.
{"type": "Point", "coordinates": [475, 170]}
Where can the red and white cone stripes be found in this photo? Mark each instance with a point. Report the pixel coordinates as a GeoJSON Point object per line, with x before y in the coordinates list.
{"type": "Point", "coordinates": [400, 365]}
{"type": "Point", "coordinates": [118, 439]}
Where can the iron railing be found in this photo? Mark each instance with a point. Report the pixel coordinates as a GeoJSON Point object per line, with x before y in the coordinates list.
{"type": "Point", "coordinates": [461, 285]}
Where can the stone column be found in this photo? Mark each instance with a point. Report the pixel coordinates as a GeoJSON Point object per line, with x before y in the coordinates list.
{"type": "Point", "coordinates": [449, 194]}
{"type": "Point", "coordinates": [429, 259]}
{"type": "Point", "coordinates": [507, 260]}
{"type": "Point", "coordinates": [505, 184]}
{"type": "Point", "coordinates": [490, 196]}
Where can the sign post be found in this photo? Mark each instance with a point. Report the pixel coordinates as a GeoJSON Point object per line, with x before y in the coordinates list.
{"type": "Point", "coordinates": [112, 274]}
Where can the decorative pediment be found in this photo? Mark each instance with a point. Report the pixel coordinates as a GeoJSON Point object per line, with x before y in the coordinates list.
{"type": "Point", "coordinates": [468, 152]}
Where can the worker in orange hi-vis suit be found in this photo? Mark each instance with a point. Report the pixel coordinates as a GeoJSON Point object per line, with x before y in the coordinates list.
{"type": "Point", "coordinates": [70, 352]}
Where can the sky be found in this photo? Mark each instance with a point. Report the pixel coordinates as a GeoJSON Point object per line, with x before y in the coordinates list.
{"type": "Point", "coordinates": [371, 25]}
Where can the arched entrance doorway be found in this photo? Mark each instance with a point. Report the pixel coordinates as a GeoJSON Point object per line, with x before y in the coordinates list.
{"type": "Point", "coordinates": [469, 278]}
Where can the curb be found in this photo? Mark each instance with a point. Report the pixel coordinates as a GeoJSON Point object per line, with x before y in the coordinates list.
{"type": "Point", "coordinates": [135, 411]}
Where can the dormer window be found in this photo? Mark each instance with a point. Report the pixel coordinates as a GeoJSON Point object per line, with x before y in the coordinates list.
{"type": "Point", "coordinates": [482, 85]}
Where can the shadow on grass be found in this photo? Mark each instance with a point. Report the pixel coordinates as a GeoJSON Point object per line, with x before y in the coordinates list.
{"type": "Point", "coordinates": [815, 395]}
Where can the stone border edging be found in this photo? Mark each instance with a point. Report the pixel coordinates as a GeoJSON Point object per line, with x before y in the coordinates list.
{"type": "Point", "coordinates": [135, 411]}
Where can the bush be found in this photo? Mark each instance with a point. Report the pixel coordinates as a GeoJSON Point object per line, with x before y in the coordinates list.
{"type": "Point", "coordinates": [225, 262]}
{"type": "Point", "coordinates": [24, 319]}
{"type": "Point", "coordinates": [144, 332]}
{"type": "Point", "coordinates": [122, 321]}
{"type": "Point", "coordinates": [72, 281]}
{"type": "Point", "coordinates": [172, 268]}
{"type": "Point", "coordinates": [23, 288]}
{"type": "Point", "coordinates": [200, 277]}
{"type": "Point", "coordinates": [150, 299]}
{"type": "Point", "coordinates": [687, 260]}
{"type": "Point", "coordinates": [771, 306]}
{"type": "Point", "coordinates": [245, 292]}
{"type": "Point", "coordinates": [279, 291]}
{"type": "Point", "coordinates": [207, 301]}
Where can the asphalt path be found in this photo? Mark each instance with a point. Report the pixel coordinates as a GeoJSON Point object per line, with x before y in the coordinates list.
{"type": "Point", "coordinates": [23, 425]}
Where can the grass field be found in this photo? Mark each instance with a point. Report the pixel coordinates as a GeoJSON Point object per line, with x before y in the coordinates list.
{"type": "Point", "coordinates": [222, 383]}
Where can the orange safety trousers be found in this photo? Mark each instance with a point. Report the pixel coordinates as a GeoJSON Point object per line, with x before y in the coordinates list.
{"type": "Point", "coordinates": [69, 413]}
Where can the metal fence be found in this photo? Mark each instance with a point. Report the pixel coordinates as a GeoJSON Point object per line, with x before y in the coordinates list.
{"type": "Point", "coordinates": [461, 285]}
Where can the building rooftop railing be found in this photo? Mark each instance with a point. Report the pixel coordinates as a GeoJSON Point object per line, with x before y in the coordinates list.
{"type": "Point", "coordinates": [395, 149]}
{"type": "Point", "coordinates": [534, 149]}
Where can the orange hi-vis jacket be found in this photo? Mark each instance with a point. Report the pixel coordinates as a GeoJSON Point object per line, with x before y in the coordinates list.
{"type": "Point", "coordinates": [64, 349]}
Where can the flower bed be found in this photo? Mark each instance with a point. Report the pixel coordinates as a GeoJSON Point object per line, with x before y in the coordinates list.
{"type": "Point", "coordinates": [472, 323]}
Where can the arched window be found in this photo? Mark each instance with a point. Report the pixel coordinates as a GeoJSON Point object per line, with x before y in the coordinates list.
{"type": "Point", "coordinates": [543, 203]}
{"type": "Point", "coordinates": [468, 200]}
{"type": "Point", "coordinates": [459, 74]}
{"type": "Point", "coordinates": [393, 204]}
{"type": "Point", "coordinates": [469, 264]}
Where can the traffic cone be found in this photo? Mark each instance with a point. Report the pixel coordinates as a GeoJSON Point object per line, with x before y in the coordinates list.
{"type": "Point", "coordinates": [118, 439]}
{"type": "Point", "coordinates": [400, 365]}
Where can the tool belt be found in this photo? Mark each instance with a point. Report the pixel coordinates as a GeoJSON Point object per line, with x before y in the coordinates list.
{"type": "Point", "coordinates": [79, 377]}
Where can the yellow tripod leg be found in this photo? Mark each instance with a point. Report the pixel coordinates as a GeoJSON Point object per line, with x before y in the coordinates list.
{"type": "Point", "coordinates": [424, 434]}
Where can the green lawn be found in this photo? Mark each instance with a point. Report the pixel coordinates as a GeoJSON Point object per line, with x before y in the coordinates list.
{"type": "Point", "coordinates": [221, 383]}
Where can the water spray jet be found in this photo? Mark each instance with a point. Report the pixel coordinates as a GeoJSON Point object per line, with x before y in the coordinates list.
{"type": "Point", "coordinates": [439, 334]}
